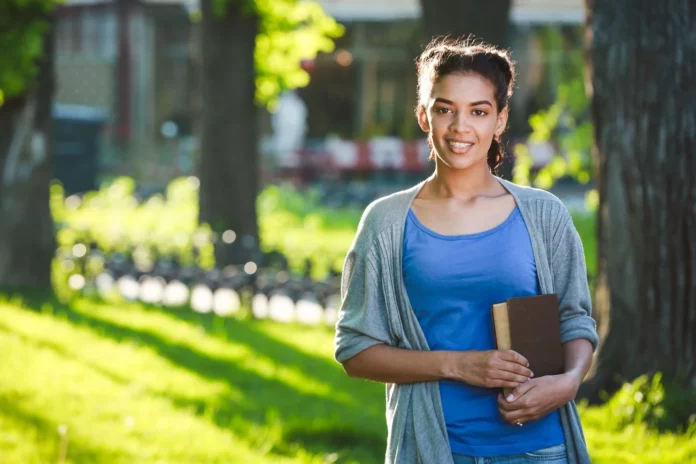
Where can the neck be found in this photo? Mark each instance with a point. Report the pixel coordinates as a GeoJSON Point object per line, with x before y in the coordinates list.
{"type": "Point", "coordinates": [463, 184]}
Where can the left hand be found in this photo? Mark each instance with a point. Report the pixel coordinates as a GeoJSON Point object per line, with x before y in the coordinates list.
{"type": "Point", "coordinates": [537, 397]}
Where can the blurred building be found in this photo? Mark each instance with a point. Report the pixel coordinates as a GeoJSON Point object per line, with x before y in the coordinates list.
{"type": "Point", "coordinates": [134, 60]}
{"type": "Point", "coordinates": [368, 85]}
{"type": "Point", "coordinates": [361, 98]}
{"type": "Point", "coordinates": [131, 60]}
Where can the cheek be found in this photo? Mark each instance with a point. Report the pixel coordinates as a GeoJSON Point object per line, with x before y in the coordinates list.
{"type": "Point", "coordinates": [487, 128]}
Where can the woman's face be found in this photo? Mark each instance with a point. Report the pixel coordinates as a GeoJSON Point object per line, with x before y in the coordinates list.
{"type": "Point", "coordinates": [461, 118]}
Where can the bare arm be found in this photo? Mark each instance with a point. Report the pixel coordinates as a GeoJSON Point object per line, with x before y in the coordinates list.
{"type": "Point", "coordinates": [491, 369]}
{"type": "Point", "coordinates": [578, 358]}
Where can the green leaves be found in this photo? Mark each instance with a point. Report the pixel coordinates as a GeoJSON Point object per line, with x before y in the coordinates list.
{"type": "Point", "coordinates": [22, 26]}
{"type": "Point", "coordinates": [293, 223]}
{"type": "Point", "coordinates": [291, 31]}
{"type": "Point", "coordinates": [566, 125]}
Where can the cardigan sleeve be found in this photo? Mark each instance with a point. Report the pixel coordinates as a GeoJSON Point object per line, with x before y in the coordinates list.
{"type": "Point", "coordinates": [362, 319]}
{"type": "Point", "coordinates": [570, 283]}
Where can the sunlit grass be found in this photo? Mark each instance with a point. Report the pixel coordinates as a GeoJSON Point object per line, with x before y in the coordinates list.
{"type": "Point", "coordinates": [136, 384]}
{"type": "Point", "coordinates": [133, 384]}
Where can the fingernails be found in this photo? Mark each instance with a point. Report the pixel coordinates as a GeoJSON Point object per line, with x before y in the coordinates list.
{"type": "Point", "coordinates": [532, 375]}
{"type": "Point", "coordinates": [510, 397]}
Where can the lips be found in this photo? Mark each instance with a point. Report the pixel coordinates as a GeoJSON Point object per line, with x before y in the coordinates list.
{"type": "Point", "coordinates": [459, 146]}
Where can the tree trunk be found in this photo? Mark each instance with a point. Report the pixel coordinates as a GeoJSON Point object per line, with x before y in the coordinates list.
{"type": "Point", "coordinates": [27, 243]}
{"type": "Point", "coordinates": [122, 77]}
{"type": "Point", "coordinates": [642, 65]}
{"type": "Point", "coordinates": [487, 20]}
{"type": "Point", "coordinates": [229, 157]}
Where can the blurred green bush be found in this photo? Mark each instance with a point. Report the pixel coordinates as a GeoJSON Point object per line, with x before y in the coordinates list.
{"type": "Point", "coordinates": [293, 223]}
{"type": "Point", "coordinates": [114, 221]}
{"type": "Point", "coordinates": [650, 400]}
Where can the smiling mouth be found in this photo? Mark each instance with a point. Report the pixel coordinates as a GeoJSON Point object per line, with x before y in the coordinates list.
{"type": "Point", "coordinates": [459, 147]}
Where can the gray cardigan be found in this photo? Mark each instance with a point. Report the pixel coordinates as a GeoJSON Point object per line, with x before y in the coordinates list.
{"type": "Point", "coordinates": [375, 309]}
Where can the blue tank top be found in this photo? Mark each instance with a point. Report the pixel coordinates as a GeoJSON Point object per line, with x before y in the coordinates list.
{"type": "Point", "coordinates": [452, 281]}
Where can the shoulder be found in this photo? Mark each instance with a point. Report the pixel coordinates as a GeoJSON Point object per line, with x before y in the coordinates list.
{"type": "Point", "coordinates": [386, 211]}
{"type": "Point", "coordinates": [543, 206]}
{"type": "Point", "coordinates": [531, 194]}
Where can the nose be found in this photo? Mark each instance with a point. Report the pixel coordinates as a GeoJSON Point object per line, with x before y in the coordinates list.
{"type": "Point", "coordinates": [460, 123]}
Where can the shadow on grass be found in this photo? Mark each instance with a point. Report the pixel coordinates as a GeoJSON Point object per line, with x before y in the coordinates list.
{"type": "Point", "coordinates": [48, 432]}
{"type": "Point", "coordinates": [313, 422]}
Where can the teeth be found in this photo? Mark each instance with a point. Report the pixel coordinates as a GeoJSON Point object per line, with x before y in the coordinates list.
{"type": "Point", "coordinates": [460, 145]}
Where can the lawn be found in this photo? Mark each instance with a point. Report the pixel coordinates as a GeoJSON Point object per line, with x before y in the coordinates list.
{"type": "Point", "coordinates": [130, 383]}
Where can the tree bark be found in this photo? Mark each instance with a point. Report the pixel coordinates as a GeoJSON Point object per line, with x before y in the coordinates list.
{"type": "Point", "coordinates": [27, 242]}
{"type": "Point", "coordinates": [642, 57]}
{"type": "Point", "coordinates": [228, 165]}
{"type": "Point", "coordinates": [487, 20]}
{"type": "Point", "coordinates": [122, 71]}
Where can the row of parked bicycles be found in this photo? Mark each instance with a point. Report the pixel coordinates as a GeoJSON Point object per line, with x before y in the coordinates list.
{"type": "Point", "coordinates": [267, 289]}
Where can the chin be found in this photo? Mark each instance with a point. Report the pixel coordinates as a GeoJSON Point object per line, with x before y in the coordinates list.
{"type": "Point", "coordinates": [460, 161]}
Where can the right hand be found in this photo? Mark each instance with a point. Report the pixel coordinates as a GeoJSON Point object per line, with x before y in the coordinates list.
{"type": "Point", "coordinates": [491, 369]}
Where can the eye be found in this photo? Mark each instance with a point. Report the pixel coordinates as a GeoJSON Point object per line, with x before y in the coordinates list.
{"type": "Point", "coordinates": [479, 112]}
{"type": "Point", "coordinates": [442, 110]}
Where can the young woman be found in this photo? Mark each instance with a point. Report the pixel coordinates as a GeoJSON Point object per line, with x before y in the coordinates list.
{"type": "Point", "coordinates": [428, 262]}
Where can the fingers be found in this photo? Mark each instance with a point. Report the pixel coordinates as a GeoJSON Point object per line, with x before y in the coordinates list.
{"type": "Point", "coordinates": [514, 368]}
{"type": "Point", "coordinates": [513, 412]}
{"type": "Point", "coordinates": [505, 405]}
{"type": "Point", "coordinates": [508, 379]}
{"type": "Point", "coordinates": [502, 384]}
{"type": "Point", "coordinates": [520, 390]}
{"type": "Point", "coordinates": [521, 416]}
{"type": "Point", "coordinates": [515, 357]}
{"type": "Point", "coordinates": [503, 372]}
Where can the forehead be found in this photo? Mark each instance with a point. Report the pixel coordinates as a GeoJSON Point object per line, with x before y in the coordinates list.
{"type": "Point", "coordinates": [463, 88]}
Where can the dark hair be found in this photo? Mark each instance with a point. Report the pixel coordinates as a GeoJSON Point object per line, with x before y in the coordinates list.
{"type": "Point", "coordinates": [444, 56]}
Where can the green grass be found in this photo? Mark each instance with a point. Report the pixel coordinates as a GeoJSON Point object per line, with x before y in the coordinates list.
{"type": "Point", "coordinates": [137, 384]}
{"type": "Point", "coordinates": [586, 223]}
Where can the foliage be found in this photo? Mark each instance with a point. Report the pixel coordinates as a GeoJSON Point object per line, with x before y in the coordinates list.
{"type": "Point", "coordinates": [22, 25]}
{"type": "Point", "coordinates": [290, 31]}
{"type": "Point", "coordinates": [293, 223]}
{"type": "Point", "coordinates": [567, 125]}
{"type": "Point", "coordinates": [585, 223]}
{"type": "Point", "coordinates": [296, 225]}
{"type": "Point", "coordinates": [112, 218]}
{"type": "Point", "coordinates": [131, 383]}
{"type": "Point", "coordinates": [648, 400]}
{"type": "Point", "coordinates": [646, 421]}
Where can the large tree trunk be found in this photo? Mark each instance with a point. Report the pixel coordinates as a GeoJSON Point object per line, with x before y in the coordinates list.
{"type": "Point", "coordinates": [229, 159]}
{"type": "Point", "coordinates": [27, 243]}
{"type": "Point", "coordinates": [486, 20]}
{"type": "Point", "coordinates": [642, 66]}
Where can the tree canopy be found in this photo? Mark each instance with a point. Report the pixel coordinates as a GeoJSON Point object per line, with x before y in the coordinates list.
{"type": "Point", "coordinates": [289, 31]}
{"type": "Point", "coordinates": [22, 25]}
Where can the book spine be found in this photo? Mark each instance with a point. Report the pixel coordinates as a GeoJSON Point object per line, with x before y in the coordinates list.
{"type": "Point", "coordinates": [501, 324]}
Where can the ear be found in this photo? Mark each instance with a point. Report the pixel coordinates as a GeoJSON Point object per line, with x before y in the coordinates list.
{"type": "Point", "coordinates": [423, 119]}
{"type": "Point", "coordinates": [502, 122]}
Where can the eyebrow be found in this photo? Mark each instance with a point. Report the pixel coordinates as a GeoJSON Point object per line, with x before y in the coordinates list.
{"type": "Point", "coordinates": [476, 103]}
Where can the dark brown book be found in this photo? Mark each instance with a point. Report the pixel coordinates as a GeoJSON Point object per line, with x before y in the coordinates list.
{"type": "Point", "coordinates": [530, 325]}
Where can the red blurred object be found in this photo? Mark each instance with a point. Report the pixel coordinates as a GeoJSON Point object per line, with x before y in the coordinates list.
{"type": "Point", "coordinates": [308, 65]}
